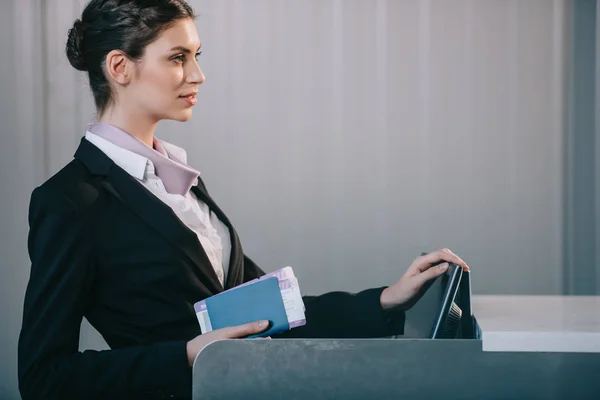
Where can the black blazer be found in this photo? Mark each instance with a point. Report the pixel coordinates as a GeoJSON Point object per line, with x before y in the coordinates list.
{"type": "Point", "coordinates": [105, 248]}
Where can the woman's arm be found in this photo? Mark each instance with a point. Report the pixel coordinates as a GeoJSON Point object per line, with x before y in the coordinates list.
{"type": "Point", "coordinates": [341, 314]}
{"type": "Point", "coordinates": [58, 292]}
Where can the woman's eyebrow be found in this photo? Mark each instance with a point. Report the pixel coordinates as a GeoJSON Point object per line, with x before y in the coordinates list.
{"type": "Point", "coordinates": [183, 49]}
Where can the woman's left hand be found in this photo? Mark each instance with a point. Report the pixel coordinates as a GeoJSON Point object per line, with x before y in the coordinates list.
{"type": "Point", "coordinates": [405, 293]}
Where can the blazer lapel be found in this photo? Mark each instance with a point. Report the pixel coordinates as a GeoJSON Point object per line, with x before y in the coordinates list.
{"type": "Point", "coordinates": [235, 274]}
{"type": "Point", "coordinates": [149, 208]}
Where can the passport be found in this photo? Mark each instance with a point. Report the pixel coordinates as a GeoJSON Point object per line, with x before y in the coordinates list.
{"type": "Point", "coordinates": [274, 297]}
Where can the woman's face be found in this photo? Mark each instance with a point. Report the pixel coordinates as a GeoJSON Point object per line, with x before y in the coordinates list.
{"type": "Point", "coordinates": [165, 81]}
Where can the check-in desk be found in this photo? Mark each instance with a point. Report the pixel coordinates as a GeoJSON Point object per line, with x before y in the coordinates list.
{"type": "Point", "coordinates": [528, 347]}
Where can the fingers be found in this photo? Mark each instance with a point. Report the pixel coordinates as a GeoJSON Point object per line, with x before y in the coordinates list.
{"type": "Point", "coordinates": [444, 255]}
{"type": "Point", "coordinates": [194, 346]}
{"type": "Point", "coordinates": [430, 273]}
{"type": "Point", "coordinates": [239, 331]}
{"type": "Point", "coordinates": [459, 261]}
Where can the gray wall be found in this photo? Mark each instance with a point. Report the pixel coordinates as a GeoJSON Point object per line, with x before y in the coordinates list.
{"type": "Point", "coordinates": [21, 167]}
{"type": "Point", "coordinates": [371, 131]}
{"type": "Point", "coordinates": [582, 274]}
{"type": "Point", "coordinates": [341, 137]}
{"type": "Point", "coordinates": [597, 146]}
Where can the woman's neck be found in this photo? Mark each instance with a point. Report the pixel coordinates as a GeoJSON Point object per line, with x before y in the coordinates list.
{"type": "Point", "coordinates": [142, 128]}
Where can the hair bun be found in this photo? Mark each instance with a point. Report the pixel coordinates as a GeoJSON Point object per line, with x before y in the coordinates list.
{"type": "Point", "coordinates": [74, 48]}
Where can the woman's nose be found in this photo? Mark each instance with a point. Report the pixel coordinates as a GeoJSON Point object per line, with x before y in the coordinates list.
{"type": "Point", "coordinates": [196, 76]}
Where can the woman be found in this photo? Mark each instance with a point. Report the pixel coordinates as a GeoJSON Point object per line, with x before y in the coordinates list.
{"type": "Point", "coordinates": [127, 235]}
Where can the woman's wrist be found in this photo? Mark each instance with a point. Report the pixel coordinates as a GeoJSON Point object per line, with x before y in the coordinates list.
{"type": "Point", "coordinates": [384, 299]}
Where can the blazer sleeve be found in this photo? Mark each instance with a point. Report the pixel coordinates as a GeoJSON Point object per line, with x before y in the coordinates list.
{"type": "Point", "coordinates": [62, 272]}
{"type": "Point", "coordinates": [341, 314]}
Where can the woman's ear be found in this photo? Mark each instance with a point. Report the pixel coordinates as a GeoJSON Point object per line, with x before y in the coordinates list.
{"type": "Point", "coordinates": [119, 67]}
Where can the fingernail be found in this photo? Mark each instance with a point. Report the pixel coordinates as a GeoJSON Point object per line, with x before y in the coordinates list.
{"type": "Point", "coordinates": [263, 324]}
{"type": "Point", "coordinates": [444, 266]}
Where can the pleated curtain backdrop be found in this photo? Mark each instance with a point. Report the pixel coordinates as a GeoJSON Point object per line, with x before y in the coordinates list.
{"type": "Point", "coordinates": [345, 137]}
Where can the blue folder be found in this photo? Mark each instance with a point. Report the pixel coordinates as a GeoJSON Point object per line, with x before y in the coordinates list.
{"type": "Point", "coordinates": [258, 301]}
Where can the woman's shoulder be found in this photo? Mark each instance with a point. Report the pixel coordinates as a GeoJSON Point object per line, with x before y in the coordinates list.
{"type": "Point", "coordinates": [73, 185]}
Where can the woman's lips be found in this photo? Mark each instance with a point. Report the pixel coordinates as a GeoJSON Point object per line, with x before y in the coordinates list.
{"type": "Point", "coordinates": [190, 99]}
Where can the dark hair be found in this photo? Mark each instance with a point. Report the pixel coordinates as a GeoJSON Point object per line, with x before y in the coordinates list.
{"type": "Point", "coordinates": [126, 25]}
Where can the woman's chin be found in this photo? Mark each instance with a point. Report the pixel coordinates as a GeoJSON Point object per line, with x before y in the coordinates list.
{"type": "Point", "coordinates": [183, 116]}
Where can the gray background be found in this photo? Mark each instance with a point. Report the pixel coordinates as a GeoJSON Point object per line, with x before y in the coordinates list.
{"type": "Point", "coordinates": [345, 137]}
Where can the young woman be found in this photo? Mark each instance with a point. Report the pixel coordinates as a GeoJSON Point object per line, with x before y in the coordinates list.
{"type": "Point", "coordinates": [127, 235]}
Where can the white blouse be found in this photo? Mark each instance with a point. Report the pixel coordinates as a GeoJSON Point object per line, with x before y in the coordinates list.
{"type": "Point", "coordinates": [213, 234]}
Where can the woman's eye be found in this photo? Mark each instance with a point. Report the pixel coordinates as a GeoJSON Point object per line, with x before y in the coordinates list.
{"type": "Point", "coordinates": [180, 58]}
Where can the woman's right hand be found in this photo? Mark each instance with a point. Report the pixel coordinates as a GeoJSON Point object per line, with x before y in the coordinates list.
{"type": "Point", "coordinates": [233, 332]}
